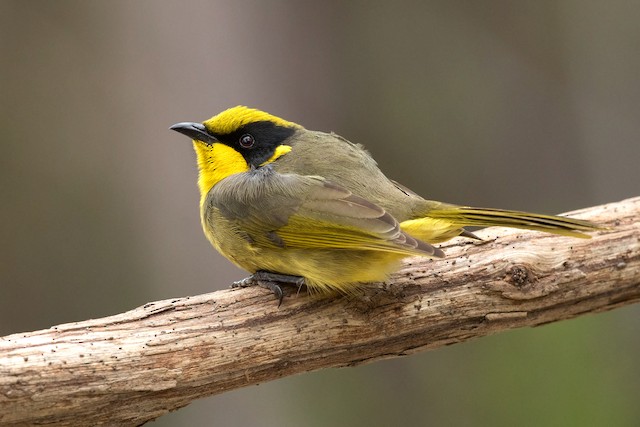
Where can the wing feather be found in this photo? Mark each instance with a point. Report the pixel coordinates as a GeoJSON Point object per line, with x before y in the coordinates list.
{"type": "Point", "coordinates": [308, 212]}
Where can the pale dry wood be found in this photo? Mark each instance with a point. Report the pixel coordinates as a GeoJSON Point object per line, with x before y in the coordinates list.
{"type": "Point", "coordinates": [135, 366]}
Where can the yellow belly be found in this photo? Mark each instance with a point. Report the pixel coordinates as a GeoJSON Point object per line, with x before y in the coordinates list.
{"type": "Point", "coordinates": [324, 270]}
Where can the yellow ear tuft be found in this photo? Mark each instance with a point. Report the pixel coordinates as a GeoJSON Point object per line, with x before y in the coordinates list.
{"type": "Point", "coordinates": [280, 151]}
{"type": "Point", "coordinates": [234, 118]}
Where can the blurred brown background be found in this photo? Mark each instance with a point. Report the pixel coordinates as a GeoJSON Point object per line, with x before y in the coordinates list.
{"type": "Point", "coordinates": [528, 105]}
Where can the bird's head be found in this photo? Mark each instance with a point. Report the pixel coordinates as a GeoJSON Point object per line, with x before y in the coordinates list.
{"type": "Point", "coordinates": [235, 141]}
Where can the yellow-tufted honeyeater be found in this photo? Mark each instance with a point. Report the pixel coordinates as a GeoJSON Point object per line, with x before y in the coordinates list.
{"type": "Point", "coordinates": [291, 205]}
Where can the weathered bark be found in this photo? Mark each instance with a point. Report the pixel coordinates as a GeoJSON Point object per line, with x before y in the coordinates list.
{"type": "Point", "coordinates": [135, 366]}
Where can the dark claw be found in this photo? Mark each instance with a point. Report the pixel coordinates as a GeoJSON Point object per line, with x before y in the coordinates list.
{"type": "Point", "coordinates": [276, 289]}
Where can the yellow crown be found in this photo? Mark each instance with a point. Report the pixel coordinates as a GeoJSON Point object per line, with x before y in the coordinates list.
{"type": "Point", "coordinates": [234, 118]}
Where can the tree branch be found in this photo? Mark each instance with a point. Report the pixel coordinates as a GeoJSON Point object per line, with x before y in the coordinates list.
{"type": "Point", "coordinates": [135, 366]}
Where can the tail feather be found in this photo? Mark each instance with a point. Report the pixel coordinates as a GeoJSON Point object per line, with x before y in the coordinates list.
{"type": "Point", "coordinates": [461, 216]}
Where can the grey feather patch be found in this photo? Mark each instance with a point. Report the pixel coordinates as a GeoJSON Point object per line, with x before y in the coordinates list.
{"type": "Point", "coordinates": [275, 239]}
{"type": "Point", "coordinates": [246, 237]}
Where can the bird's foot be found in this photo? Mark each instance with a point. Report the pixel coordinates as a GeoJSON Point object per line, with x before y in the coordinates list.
{"type": "Point", "coordinates": [271, 281]}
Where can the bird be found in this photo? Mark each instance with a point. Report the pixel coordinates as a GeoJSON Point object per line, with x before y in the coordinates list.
{"type": "Point", "coordinates": [303, 207]}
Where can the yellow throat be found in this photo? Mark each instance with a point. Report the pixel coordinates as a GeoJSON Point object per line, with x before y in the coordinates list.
{"type": "Point", "coordinates": [216, 162]}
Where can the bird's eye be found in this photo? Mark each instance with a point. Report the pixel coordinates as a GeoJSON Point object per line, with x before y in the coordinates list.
{"type": "Point", "coordinates": [247, 140]}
